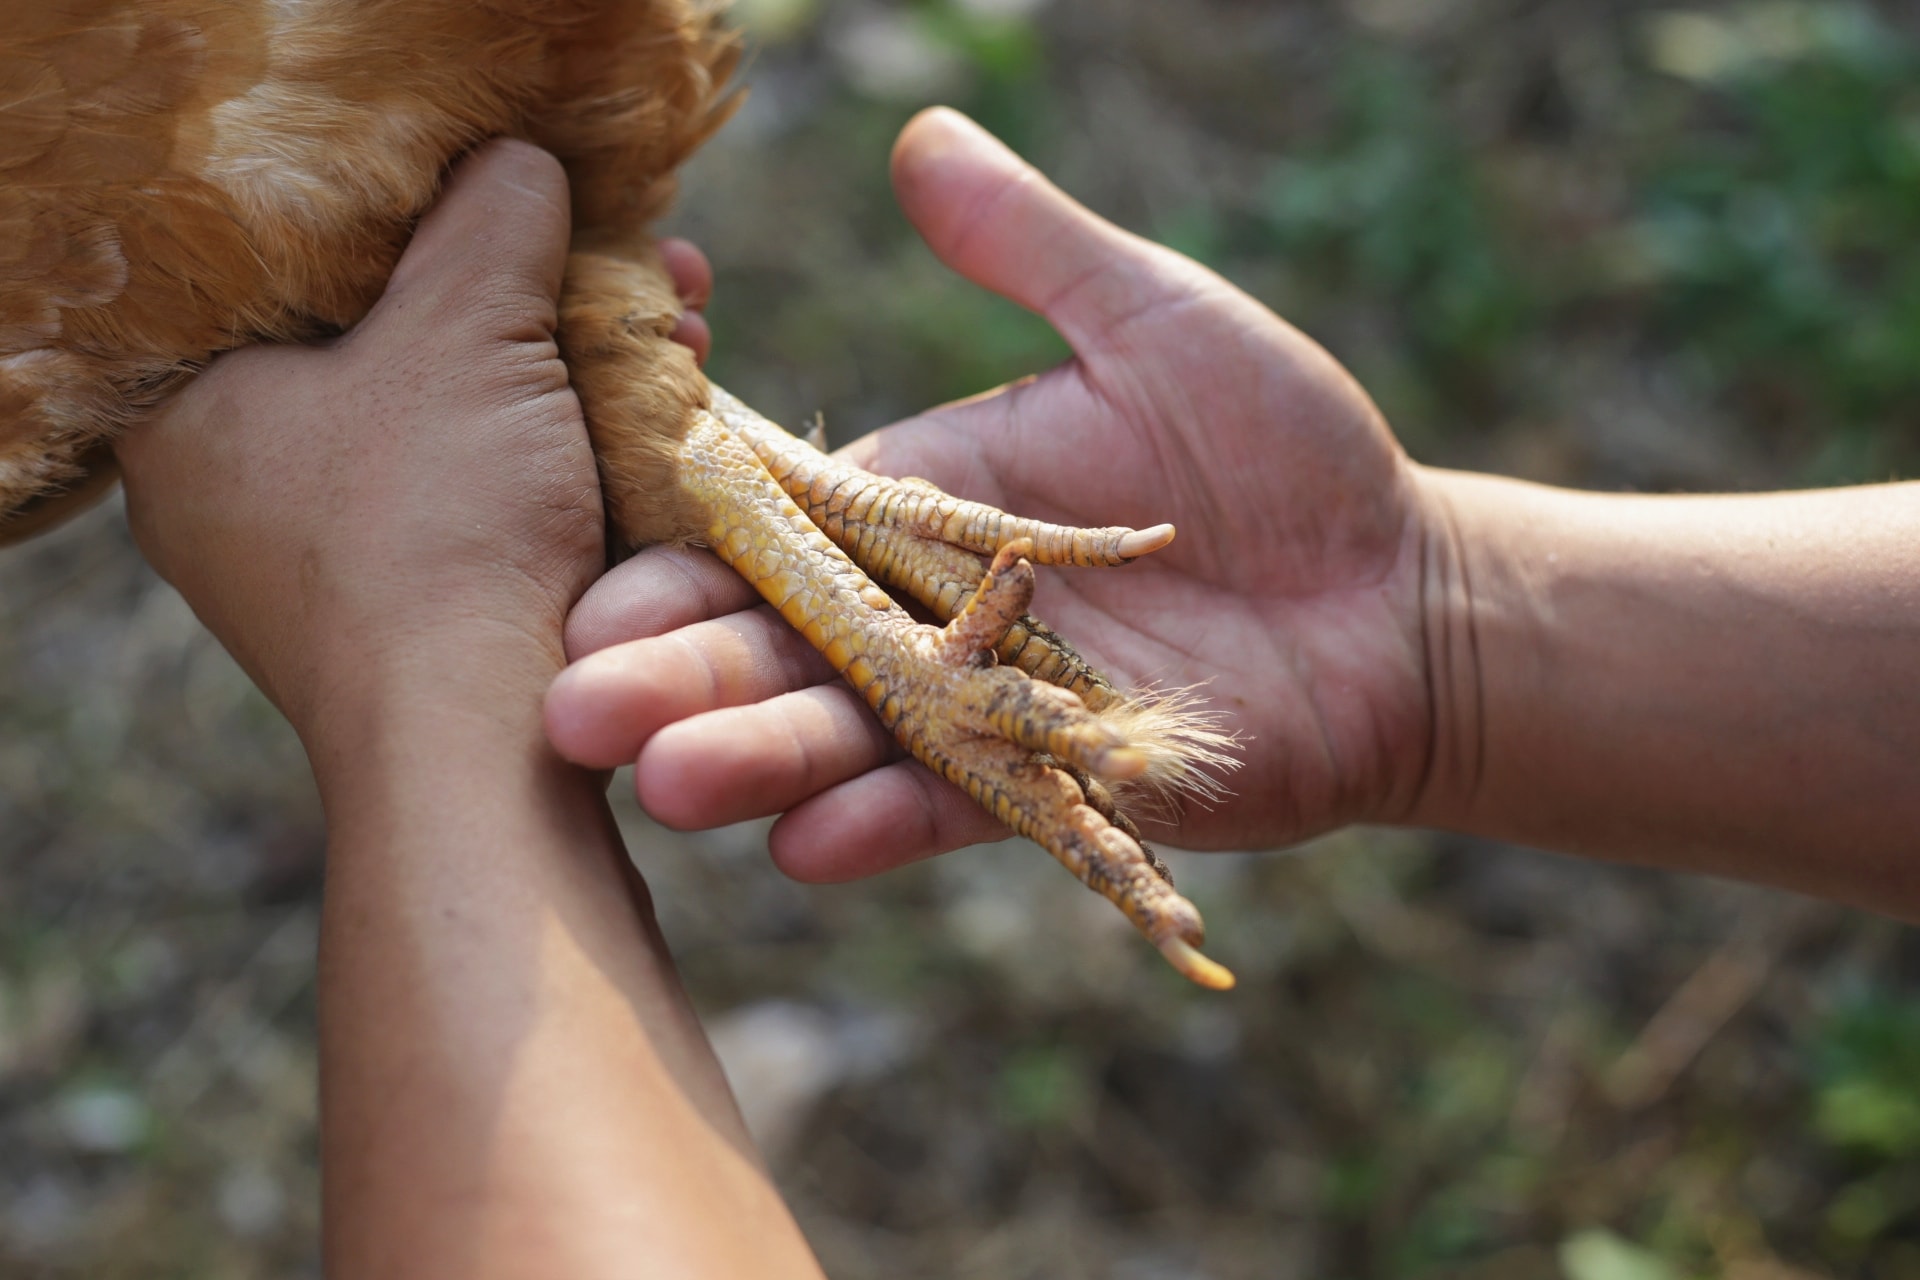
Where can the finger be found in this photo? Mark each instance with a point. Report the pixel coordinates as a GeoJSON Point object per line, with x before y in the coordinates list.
{"type": "Point", "coordinates": [494, 247]}
{"type": "Point", "coordinates": [999, 222]}
{"type": "Point", "coordinates": [692, 332]}
{"type": "Point", "coordinates": [891, 816]}
{"type": "Point", "coordinates": [692, 273]}
{"type": "Point", "coordinates": [659, 590]}
{"type": "Point", "coordinates": [759, 759]}
{"type": "Point", "coordinates": [603, 709]}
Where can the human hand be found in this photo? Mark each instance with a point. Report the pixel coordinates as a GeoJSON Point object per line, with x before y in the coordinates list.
{"type": "Point", "coordinates": [414, 503]}
{"type": "Point", "coordinates": [1293, 592]}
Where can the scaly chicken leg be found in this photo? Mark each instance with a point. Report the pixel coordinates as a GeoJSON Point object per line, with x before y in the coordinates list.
{"type": "Point", "coordinates": [1029, 740]}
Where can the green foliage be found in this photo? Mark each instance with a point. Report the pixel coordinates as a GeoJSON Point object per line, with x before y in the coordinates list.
{"type": "Point", "coordinates": [1468, 1087]}
{"type": "Point", "coordinates": [1002, 46]}
{"type": "Point", "coordinates": [1043, 1087]}
{"type": "Point", "coordinates": [1765, 233]}
{"type": "Point", "coordinates": [1602, 1255]}
{"type": "Point", "coordinates": [1870, 1207]}
{"type": "Point", "coordinates": [1351, 1183]}
{"type": "Point", "coordinates": [1391, 206]}
{"type": "Point", "coordinates": [1451, 1225]}
{"type": "Point", "coordinates": [1782, 238]}
{"type": "Point", "coordinates": [1867, 1064]}
{"type": "Point", "coordinates": [1866, 1101]}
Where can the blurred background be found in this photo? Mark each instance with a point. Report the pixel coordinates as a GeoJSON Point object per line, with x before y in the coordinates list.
{"type": "Point", "coordinates": [1609, 244]}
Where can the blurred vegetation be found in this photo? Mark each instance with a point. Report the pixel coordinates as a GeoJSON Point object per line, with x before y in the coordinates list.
{"type": "Point", "coordinates": [1621, 245]}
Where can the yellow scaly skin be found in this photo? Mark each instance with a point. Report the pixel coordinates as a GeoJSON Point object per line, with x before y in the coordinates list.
{"type": "Point", "coordinates": [1013, 743]}
{"type": "Point", "coordinates": [920, 539]}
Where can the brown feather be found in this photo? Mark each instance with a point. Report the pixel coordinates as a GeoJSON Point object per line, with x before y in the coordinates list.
{"type": "Point", "coordinates": [182, 176]}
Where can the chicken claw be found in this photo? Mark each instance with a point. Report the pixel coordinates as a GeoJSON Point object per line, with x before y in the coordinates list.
{"type": "Point", "coordinates": [1015, 743]}
{"type": "Point", "coordinates": [915, 538]}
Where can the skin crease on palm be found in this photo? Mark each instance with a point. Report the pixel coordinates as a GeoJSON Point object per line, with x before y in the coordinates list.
{"type": "Point", "coordinates": [1300, 545]}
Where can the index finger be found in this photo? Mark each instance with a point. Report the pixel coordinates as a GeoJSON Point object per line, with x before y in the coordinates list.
{"type": "Point", "coordinates": [659, 590]}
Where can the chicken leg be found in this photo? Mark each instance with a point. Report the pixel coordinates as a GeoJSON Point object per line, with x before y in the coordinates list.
{"type": "Point", "coordinates": [993, 700]}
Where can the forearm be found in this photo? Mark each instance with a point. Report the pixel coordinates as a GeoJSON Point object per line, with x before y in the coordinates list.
{"type": "Point", "coordinates": [1727, 684]}
{"type": "Point", "coordinates": [513, 1084]}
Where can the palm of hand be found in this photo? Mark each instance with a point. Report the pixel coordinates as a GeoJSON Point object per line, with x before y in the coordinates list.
{"type": "Point", "coordinates": [1292, 592]}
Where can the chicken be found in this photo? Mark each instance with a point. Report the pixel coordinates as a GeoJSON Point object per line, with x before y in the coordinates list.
{"type": "Point", "coordinates": [179, 177]}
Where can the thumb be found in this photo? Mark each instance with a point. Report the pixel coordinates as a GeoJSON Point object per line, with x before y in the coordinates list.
{"type": "Point", "coordinates": [493, 248]}
{"type": "Point", "coordinates": [999, 222]}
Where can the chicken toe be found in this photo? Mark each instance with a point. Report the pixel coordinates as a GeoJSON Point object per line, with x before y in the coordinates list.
{"type": "Point", "coordinates": [918, 540]}
{"type": "Point", "coordinates": [1033, 753]}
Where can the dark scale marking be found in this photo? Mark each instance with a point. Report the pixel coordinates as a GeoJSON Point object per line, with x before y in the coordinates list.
{"type": "Point", "coordinates": [829, 500]}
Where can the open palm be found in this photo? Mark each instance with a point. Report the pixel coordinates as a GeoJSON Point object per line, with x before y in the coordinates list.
{"type": "Point", "coordinates": [1293, 592]}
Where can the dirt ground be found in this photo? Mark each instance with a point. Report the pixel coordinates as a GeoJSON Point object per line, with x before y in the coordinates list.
{"type": "Point", "coordinates": [1615, 245]}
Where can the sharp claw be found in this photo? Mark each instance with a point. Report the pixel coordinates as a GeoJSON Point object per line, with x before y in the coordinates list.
{"type": "Point", "coordinates": [1141, 541]}
{"type": "Point", "coordinates": [1195, 967]}
{"type": "Point", "coordinates": [1027, 749]}
{"type": "Point", "coordinates": [1122, 764]}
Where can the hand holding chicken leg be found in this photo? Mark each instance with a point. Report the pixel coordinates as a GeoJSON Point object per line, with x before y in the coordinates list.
{"type": "Point", "coordinates": [1291, 594]}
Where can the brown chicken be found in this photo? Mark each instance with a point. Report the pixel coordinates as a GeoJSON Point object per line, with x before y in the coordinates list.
{"type": "Point", "coordinates": [179, 177]}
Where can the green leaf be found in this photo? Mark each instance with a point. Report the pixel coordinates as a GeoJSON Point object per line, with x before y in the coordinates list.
{"type": "Point", "coordinates": [1601, 1255]}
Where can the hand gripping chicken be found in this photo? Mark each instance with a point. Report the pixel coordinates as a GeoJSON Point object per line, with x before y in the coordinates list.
{"type": "Point", "coordinates": [179, 177]}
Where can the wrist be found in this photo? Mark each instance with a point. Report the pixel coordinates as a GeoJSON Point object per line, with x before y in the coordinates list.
{"type": "Point", "coordinates": [1472, 623]}
{"type": "Point", "coordinates": [404, 705]}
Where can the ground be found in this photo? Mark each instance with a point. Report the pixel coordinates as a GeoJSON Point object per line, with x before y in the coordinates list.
{"type": "Point", "coordinates": [1617, 245]}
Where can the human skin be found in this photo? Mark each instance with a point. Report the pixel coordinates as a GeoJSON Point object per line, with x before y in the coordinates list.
{"type": "Point", "coordinates": [1724, 684]}
{"type": "Point", "coordinates": [387, 531]}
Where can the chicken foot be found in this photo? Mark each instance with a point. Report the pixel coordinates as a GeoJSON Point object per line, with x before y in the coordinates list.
{"type": "Point", "coordinates": [915, 537]}
{"type": "Point", "coordinates": [1030, 752]}
{"type": "Point", "coordinates": [1037, 752]}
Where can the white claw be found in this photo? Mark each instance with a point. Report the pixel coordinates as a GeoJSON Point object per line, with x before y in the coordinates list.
{"type": "Point", "coordinates": [1141, 541]}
